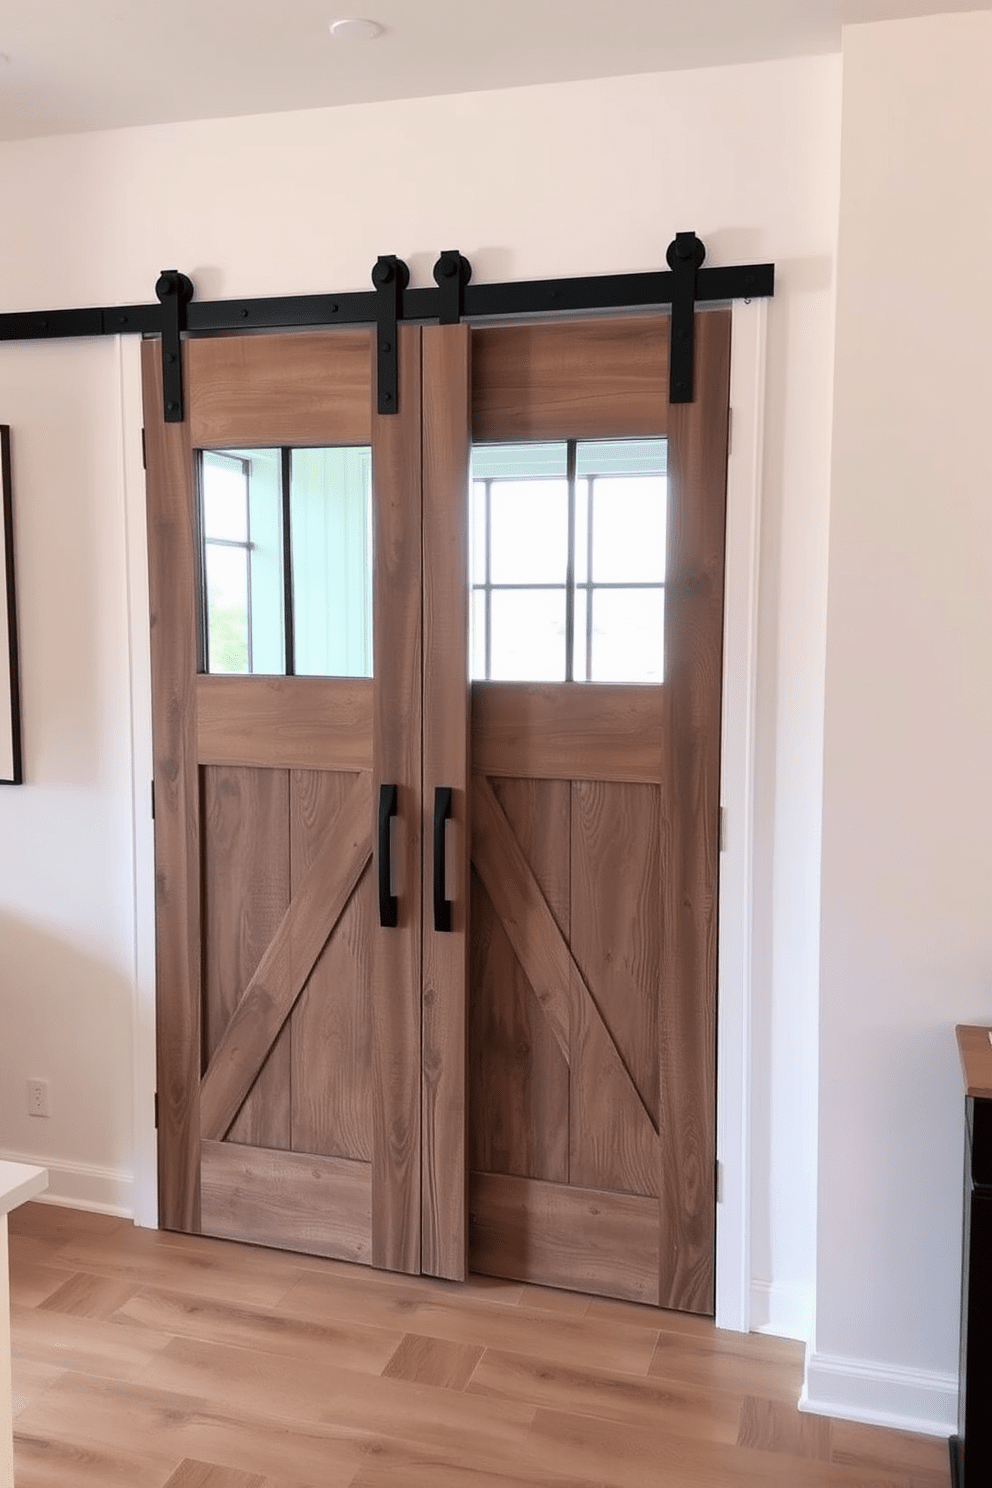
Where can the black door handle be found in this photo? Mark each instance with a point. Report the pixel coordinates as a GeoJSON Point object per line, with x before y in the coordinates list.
{"type": "Point", "coordinates": [389, 905]}
{"type": "Point", "coordinates": [442, 811]}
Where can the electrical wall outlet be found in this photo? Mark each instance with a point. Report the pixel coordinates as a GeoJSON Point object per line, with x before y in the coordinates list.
{"type": "Point", "coordinates": [38, 1098]}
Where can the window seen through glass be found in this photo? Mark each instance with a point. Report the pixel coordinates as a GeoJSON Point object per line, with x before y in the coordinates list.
{"type": "Point", "coordinates": [286, 550]}
{"type": "Point", "coordinates": [567, 562]}
{"type": "Point", "coordinates": [331, 524]}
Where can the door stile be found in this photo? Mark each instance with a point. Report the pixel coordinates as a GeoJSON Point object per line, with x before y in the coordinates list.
{"type": "Point", "coordinates": [397, 752]}
{"type": "Point", "coordinates": [447, 715]}
{"type": "Point", "coordinates": [172, 596]}
{"type": "Point", "coordinates": [698, 434]}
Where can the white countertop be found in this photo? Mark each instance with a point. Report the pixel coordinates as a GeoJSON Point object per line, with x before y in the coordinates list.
{"type": "Point", "coordinates": [18, 1183]}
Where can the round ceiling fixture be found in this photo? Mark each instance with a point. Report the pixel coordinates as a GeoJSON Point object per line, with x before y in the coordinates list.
{"type": "Point", "coordinates": [355, 30]}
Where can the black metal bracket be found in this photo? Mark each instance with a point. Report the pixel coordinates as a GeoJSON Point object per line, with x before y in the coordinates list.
{"type": "Point", "coordinates": [174, 291]}
{"type": "Point", "coordinates": [390, 276]}
{"type": "Point", "coordinates": [451, 274]}
{"type": "Point", "coordinates": [685, 257]}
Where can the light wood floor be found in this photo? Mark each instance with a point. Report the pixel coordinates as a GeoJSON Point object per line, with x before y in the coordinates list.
{"type": "Point", "coordinates": [144, 1359]}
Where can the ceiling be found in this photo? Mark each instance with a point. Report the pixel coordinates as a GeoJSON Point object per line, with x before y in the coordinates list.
{"type": "Point", "coordinates": [73, 65]}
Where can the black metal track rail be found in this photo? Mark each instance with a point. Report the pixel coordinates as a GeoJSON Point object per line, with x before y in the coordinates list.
{"type": "Point", "coordinates": [359, 307]}
{"type": "Point", "coordinates": [392, 301]}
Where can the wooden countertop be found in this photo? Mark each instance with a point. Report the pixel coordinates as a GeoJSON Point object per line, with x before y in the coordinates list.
{"type": "Point", "coordinates": [18, 1183]}
{"type": "Point", "coordinates": [975, 1048]}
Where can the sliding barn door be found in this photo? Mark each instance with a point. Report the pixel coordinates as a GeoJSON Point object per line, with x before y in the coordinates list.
{"type": "Point", "coordinates": [286, 593]}
{"type": "Point", "coordinates": [597, 604]}
{"type": "Point", "coordinates": [488, 626]}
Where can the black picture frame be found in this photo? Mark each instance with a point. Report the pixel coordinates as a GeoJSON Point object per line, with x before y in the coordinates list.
{"type": "Point", "coordinates": [11, 758]}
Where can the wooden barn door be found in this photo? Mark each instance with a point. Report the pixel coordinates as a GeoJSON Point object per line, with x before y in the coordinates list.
{"type": "Point", "coordinates": [317, 1069]}
{"type": "Point", "coordinates": [289, 1016]}
{"type": "Point", "coordinates": [595, 818]}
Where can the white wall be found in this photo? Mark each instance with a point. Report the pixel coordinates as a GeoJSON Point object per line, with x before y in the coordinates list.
{"type": "Point", "coordinates": [907, 855]}
{"type": "Point", "coordinates": [66, 878]}
{"type": "Point", "coordinates": [567, 179]}
{"type": "Point", "coordinates": [6, 1384]}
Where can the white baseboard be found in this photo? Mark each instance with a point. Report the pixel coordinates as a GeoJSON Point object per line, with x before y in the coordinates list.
{"type": "Point", "coordinates": [881, 1395]}
{"type": "Point", "coordinates": [784, 1310]}
{"type": "Point", "coordinates": [79, 1186]}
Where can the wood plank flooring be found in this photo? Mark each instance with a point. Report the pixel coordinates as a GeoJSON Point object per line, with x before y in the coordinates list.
{"type": "Point", "coordinates": [151, 1360]}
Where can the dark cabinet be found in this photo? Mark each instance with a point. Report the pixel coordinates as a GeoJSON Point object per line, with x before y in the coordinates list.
{"type": "Point", "coordinates": [971, 1449]}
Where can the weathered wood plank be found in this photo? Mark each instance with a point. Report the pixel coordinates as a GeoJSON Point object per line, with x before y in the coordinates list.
{"type": "Point", "coordinates": [516, 896]}
{"type": "Point", "coordinates": [260, 391]}
{"type": "Point", "coordinates": [569, 731]}
{"type": "Point", "coordinates": [591, 379]}
{"type": "Point", "coordinates": [283, 970]}
{"type": "Point", "coordinates": [519, 1120]}
{"type": "Point", "coordinates": [687, 1006]}
{"type": "Point", "coordinates": [172, 600]}
{"type": "Point", "coordinates": [562, 991]}
{"type": "Point", "coordinates": [293, 723]}
{"type": "Point", "coordinates": [616, 934]}
{"type": "Point", "coordinates": [331, 1025]}
{"type": "Point", "coordinates": [446, 446]}
{"type": "Point", "coordinates": [558, 1235]}
{"type": "Point", "coordinates": [396, 951]}
{"type": "Point", "coordinates": [245, 830]}
{"type": "Point", "coordinates": [291, 1201]}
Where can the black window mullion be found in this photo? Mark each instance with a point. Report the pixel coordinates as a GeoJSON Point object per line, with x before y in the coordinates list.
{"type": "Point", "coordinates": [287, 564]}
{"type": "Point", "coordinates": [570, 449]}
{"type": "Point", "coordinates": [590, 484]}
{"type": "Point", "coordinates": [489, 580]}
{"type": "Point", "coordinates": [203, 639]}
{"type": "Point", "coordinates": [246, 477]}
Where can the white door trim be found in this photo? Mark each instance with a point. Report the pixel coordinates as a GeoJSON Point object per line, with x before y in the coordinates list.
{"type": "Point", "coordinates": [737, 780]}
{"type": "Point", "coordinates": [145, 1155]}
